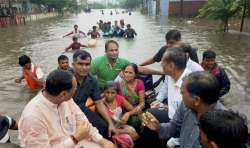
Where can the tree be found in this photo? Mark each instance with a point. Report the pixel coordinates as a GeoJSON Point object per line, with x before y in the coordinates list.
{"type": "Point", "coordinates": [130, 4]}
{"type": "Point", "coordinates": [221, 10]}
{"type": "Point", "coordinates": [245, 4]}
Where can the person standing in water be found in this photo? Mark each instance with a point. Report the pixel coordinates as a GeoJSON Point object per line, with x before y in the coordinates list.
{"type": "Point", "coordinates": [76, 32]}
{"type": "Point", "coordinates": [75, 45]}
{"type": "Point", "coordinates": [94, 33]}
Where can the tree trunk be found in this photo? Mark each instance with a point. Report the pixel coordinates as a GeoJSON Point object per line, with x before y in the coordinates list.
{"type": "Point", "coordinates": [225, 25]}
{"type": "Point", "coordinates": [243, 16]}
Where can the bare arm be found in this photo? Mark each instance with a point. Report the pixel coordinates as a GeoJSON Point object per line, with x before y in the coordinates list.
{"type": "Point", "coordinates": [148, 62]}
{"type": "Point", "coordinates": [148, 71]}
{"type": "Point", "coordinates": [82, 33]}
{"type": "Point", "coordinates": [67, 48]}
{"type": "Point", "coordinates": [68, 34]}
{"type": "Point", "coordinates": [81, 45]}
{"type": "Point", "coordinates": [18, 80]}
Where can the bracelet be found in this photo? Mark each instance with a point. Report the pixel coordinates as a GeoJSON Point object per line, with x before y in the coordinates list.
{"type": "Point", "coordinates": [74, 139]}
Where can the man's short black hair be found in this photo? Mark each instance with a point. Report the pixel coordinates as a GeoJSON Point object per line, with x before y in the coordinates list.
{"type": "Point", "coordinates": [204, 85]}
{"type": "Point", "coordinates": [82, 54]}
{"type": "Point", "coordinates": [58, 81]}
{"type": "Point", "coordinates": [208, 54]}
{"type": "Point", "coordinates": [109, 42]}
{"type": "Point", "coordinates": [177, 57]}
{"type": "Point", "coordinates": [62, 57]}
{"type": "Point", "coordinates": [225, 128]}
{"type": "Point", "coordinates": [24, 59]}
{"type": "Point", "coordinates": [173, 35]}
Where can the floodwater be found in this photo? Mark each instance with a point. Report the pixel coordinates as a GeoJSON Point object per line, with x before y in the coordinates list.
{"type": "Point", "coordinates": [43, 41]}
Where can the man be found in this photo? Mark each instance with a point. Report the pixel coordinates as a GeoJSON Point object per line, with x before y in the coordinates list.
{"type": "Point", "coordinates": [172, 37]}
{"type": "Point", "coordinates": [223, 129]}
{"type": "Point", "coordinates": [52, 119]}
{"type": "Point", "coordinates": [200, 94]}
{"type": "Point", "coordinates": [76, 33]}
{"type": "Point", "coordinates": [31, 73]}
{"type": "Point", "coordinates": [174, 66]}
{"type": "Point", "coordinates": [209, 64]}
{"type": "Point", "coordinates": [87, 87]}
{"type": "Point", "coordinates": [94, 33]}
{"type": "Point", "coordinates": [108, 67]}
{"type": "Point", "coordinates": [63, 63]}
{"type": "Point", "coordinates": [129, 32]}
{"type": "Point", "coordinates": [6, 123]}
{"type": "Point", "coordinates": [75, 45]}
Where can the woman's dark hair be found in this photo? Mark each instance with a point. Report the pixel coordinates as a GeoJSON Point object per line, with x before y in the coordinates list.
{"type": "Point", "coordinates": [58, 81]}
{"type": "Point", "coordinates": [111, 84]}
{"type": "Point", "coordinates": [204, 85]}
{"type": "Point", "coordinates": [173, 35]}
{"type": "Point", "coordinates": [24, 59]}
{"type": "Point", "coordinates": [109, 42]}
{"type": "Point", "coordinates": [208, 54]}
{"type": "Point", "coordinates": [82, 54]}
{"type": "Point", "coordinates": [62, 57]}
{"type": "Point", "coordinates": [134, 66]}
{"type": "Point", "coordinates": [225, 128]}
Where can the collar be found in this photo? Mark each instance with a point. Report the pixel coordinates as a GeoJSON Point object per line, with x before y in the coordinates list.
{"type": "Point", "coordinates": [46, 101]}
{"type": "Point", "coordinates": [107, 61]}
{"type": "Point", "coordinates": [179, 81]}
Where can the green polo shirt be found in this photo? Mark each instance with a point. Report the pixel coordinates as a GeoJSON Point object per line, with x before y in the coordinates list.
{"type": "Point", "coordinates": [101, 68]}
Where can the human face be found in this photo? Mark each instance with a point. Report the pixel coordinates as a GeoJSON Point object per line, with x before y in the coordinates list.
{"type": "Point", "coordinates": [170, 43]}
{"type": "Point", "coordinates": [64, 64]}
{"type": "Point", "coordinates": [166, 66]}
{"type": "Point", "coordinates": [75, 27]}
{"type": "Point", "coordinates": [186, 97]}
{"type": "Point", "coordinates": [27, 66]}
{"type": "Point", "coordinates": [67, 95]}
{"type": "Point", "coordinates": [129, 74]}
{"type": "Point", "coordinates": [209, 63]}
{"type": "Point", "coordinates": [110, 94]}
{"type": "Point", "coordinates": [82, 67]}
{"type": "Point", "coordinates": [112, 51]}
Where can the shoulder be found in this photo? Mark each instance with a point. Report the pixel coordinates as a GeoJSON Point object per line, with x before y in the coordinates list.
{"type": "Point", "coordinates": [123, 61]}
{"type": "Point", "coordinates": [119, 99]}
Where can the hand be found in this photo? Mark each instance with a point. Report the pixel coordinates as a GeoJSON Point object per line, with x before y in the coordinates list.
{"type": "Point", "coordinates": [150, 121]}
{"type": "Point", "coordinates": [104, 143]}
{"type": "Point", "coordinates": [125, 118]}
{"type": "Point", "coordinates": [112, 129]}
{"type": "Point", "coordinates": [82, 131]}
{"type": "Point", "coordinates": [18, 80]}
{"type": "Point", "coordinates": [155, 104]}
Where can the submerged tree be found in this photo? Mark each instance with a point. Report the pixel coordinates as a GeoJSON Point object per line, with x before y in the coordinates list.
{"type": "Point", "coordinates": [245, 4]}
{"type": "Point", "coordinates": [221, 10]}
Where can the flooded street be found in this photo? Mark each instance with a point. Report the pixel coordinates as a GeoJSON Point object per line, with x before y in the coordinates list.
{"type": "Point", "coordinates": [43, 41]}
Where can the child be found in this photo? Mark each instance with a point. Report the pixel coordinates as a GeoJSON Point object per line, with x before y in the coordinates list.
{"type": "Point", "coordinates": [63, 63]}
{"type": "Point", "coordinates": [6, 123]}
{"type": "Point", "coordinates": [31, 73]}
{"type": "Point", "coordinates": [75, 45]}
{"type": "Point", "coordinates": [114, 104]}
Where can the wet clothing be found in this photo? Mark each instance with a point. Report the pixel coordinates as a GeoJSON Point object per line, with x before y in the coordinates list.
{"type": "Point", "coordinates": [37, 73]}
{"type": "Point", "coordinates": [89, 88]}
{"type": "Point", "coordinates": [222, 78]}
{"type": "Point", "coordinates": [130, 33]}
{"type": "Point", "coordinates": [94, 34]}
{"type": "Point", "coordinates": [104, 71]}
{"type": "Point", "coordinates": [45, 124]}
{"type": "Point", "coordinates": [6, 123]}
{"type": "Point", "coordinates": [157, 57]}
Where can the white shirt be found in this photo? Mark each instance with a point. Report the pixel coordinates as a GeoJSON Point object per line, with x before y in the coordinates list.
{"type": "Point", "coordinates": [193, 66]}
{"type": "Point", "coordinates": [39, 72]}
{"type": "Point", "coordinates": [171, 89]}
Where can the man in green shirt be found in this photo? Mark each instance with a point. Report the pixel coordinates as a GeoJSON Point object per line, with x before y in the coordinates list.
{"type": "Point", "coordinates": [109, 66]}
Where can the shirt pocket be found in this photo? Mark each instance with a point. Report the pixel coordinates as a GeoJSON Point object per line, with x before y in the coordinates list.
{"type": "Point", "coordinates": [70, 123]}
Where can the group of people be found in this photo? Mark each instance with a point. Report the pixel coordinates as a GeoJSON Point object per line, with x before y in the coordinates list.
{"type": "Point", "coordinates": [87, 106]}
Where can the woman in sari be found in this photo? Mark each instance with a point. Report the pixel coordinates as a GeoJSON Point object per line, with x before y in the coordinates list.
{"type": "Point", "coordinates": [133, 91]}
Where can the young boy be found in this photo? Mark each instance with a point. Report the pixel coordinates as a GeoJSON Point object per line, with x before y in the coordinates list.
{"type": "Point", "coordinates": [6, 123]}
{"type": "Point", "coordinates": [94, 33]}
{"type": "Point", "coordinates": [31, 73]}
{"type": "Point", "coordinates": [63, 63]}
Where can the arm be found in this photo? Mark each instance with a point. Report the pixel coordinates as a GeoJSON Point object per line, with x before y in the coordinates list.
{"type": "Point", "coordinates": [68, 34]}
{"type": "Point", "coordinates": [69, 47]}
{"type": "Point", "coordinates": [134, 32]}
{"type": "Point", "coordinates": [82, 33]}
{"type": "Point", "coordinates": [37, 80]}
{"type": "Point", "coordinates": [98, 34]}
{"type": "Point", "coordinates": [224, 82]}
{"type": "Point", "coordinates": [148, 62]}
{"type": "Point", "coordinates": [18, 80]}
{"type": "Point", "coordinates": [33, 133]}
{"type": "Point", "coordinates": [148, 71]}
{"type": "Point", "coordinates": [85, 46]}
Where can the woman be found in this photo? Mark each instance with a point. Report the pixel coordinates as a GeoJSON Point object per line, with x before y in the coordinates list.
{"type": "Point", "coordinates": [133, 90]}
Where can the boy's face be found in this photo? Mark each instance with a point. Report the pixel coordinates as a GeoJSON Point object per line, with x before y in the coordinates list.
{"type": "Point", "coordinates": [209, 63]}
{"type": "Point", "coordinates": [64, 64]}
{"type": "Point", "coordinates": [27, 66]}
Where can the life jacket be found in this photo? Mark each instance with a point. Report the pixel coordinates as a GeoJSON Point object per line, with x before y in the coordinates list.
{"type": "Point", "coordinates": [32, 84]}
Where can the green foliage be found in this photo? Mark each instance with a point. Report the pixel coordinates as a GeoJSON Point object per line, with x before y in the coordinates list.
{"type": "Point", "coordinates": [130, 4]}
{"type": "Point", "coordinates": [221, 10]}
